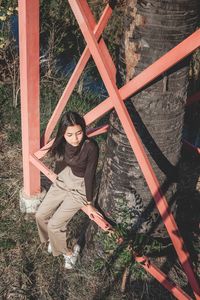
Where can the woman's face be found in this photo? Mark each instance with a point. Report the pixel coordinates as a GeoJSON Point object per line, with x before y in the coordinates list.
{"type": "Point", "coordinates": [74, 135]}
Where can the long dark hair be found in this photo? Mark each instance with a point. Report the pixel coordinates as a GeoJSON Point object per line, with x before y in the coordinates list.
{"type": "Point", "coordinates": [69, 118]}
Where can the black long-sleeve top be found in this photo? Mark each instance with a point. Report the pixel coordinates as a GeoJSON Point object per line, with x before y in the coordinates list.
{"type": "Point", "coordinates": [83, 161]}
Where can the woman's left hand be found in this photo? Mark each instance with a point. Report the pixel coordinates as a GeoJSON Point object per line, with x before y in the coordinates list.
{"type": "Point", "coordinates": [93, 212]}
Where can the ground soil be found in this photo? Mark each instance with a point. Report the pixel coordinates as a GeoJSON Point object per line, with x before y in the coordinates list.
{"type": "Point", "coordinates": [28, 272]}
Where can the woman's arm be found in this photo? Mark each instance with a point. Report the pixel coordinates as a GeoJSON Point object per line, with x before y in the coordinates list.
{"type": "Point", "coordinates": [93, 155]}
{"type": "Point", "coordinates": [92, 160]}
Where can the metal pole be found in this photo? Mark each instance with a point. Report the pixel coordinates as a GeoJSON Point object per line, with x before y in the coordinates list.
{"type": "Point", "coordinates": [29, 87]}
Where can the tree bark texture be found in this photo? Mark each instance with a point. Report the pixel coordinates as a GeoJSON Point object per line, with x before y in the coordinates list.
{"type": "Point", "coordinates": [151, 28]}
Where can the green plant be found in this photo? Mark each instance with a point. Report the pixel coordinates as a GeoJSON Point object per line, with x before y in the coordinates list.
{"type": "Point", "coordinates": [7, 244]}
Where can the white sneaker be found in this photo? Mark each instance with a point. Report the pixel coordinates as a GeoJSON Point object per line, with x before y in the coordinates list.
{"type": "Point", "coordinates": [70, 260]}
{"type": "Point", "coordinates": [68, 263]}
{"type": "Point", "coordinates": [75, 254]}
{"type": "Point", "coordinates": [49, 249]}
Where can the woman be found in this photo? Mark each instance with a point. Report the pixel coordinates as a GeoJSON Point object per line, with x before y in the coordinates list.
{"type": "Point", "coordinates": [73, 187]}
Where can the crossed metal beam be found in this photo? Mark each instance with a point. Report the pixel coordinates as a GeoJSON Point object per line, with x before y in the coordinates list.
{"type": "Point", "coordinates": [97, 48]}
{"type": "Point", "coordinates": [81, 11]}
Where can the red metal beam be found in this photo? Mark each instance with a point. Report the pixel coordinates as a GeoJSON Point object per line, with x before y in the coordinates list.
{"type": "Point", "coordinates": [44, 169]}
{"type": "Point", "coordinates": [97, 131]}
{"type": "Point", "coordinates": [98, 29]}
{"type": "Point", "coordinates": [134, 140]}
{"type": "Point", "coordinates": [160, 66]}
{"type": "Point", "coordinates": [90, 132]}
{"type": "Point", "coordinates": [107, 71]}
{"type": "Point", "coordinates": [29, 89]}
{"type": "Point", "coordinates": [104, 225]}
{"type": "Point", "coordinates": [162, 278]}
{"type": "Point", "coordinates": [111, 66]}
{"type": "Point", "coordinates": [134, 85]}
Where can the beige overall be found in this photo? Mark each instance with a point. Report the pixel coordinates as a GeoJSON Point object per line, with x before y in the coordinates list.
{"type": "Point", "coordinates": [64, 198]}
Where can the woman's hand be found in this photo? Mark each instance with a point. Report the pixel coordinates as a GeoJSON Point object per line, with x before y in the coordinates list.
{"type": "Point", "coordinates": [93, 212]}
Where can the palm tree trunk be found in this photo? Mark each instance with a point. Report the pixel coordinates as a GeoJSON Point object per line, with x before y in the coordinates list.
{"type": "Point", "coordinates": [151, 28]}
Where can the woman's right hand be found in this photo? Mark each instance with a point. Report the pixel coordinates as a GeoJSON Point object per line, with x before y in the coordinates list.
{"type": "Point", "coordinates": [93, 212]}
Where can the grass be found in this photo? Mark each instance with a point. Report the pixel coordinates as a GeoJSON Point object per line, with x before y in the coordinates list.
{"type": "Point", "coordinates": [28, 272]}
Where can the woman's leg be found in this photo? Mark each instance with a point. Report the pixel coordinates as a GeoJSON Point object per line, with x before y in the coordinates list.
{"type": "Point", "coordinates": [57, 224]}
{"type": "Point", "coordinates": [52, 200]}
